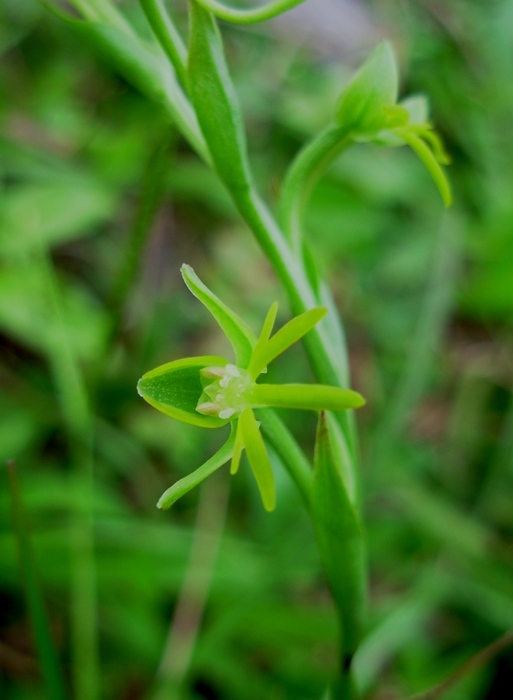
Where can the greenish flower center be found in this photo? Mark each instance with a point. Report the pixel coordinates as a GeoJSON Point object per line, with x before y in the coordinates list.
{"type": "Point", "coordinates": [228, 394]}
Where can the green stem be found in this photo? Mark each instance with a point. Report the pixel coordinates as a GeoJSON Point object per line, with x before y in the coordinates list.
{"type": "Point", "coordinates": [328, 362]}
{"type": "Point", "coordinates": [168, 36]}
{"type": "Point", "coordinates": [258, 14]}
{"type": "Point", "coordinates": [305, 172]}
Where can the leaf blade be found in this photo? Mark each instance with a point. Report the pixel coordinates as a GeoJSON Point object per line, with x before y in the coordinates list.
{"type": "Point", "coordinates": [215, 101]}
{"type": "Point", "coordinates": [340, 537]}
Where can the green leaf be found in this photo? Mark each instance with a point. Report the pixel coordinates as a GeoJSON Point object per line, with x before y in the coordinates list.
{"type": "Point", "coordinates": [289, 334]}
{"type": "Point", "coordinates": [183, 486]}
{"type": "Point", "coordinates": [175, 389]}
{"type": "Point", "coordinates": [308, 397]}
{"type": "Point", "coordinates": [215, 101]}
{"type": "Point", "coordinates": [373, 87]}
{"type": "Point", "coordinates": [340, 536]}
{"type": "Point", "coordinates": [36, 215]}
{"type": "Point", "coordinates": [258, 458]}
{"type": "Point", "coordinates": [236, 330]}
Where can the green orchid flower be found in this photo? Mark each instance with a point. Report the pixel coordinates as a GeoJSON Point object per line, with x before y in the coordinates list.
{"type": "Point", "coordinates": [211, 392]}
{"type": "Point", "coordinates": [368, 108]}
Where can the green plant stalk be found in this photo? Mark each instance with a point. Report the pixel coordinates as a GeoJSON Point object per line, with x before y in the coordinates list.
{"type": "Point", "coordinates": [48, 656]}
{"type": "Point", "coordinates": [287, 449]}
{"type": "Point", "coordinates": [258, 14]}
{"type": "Point", "coordinates": [168, 37]}
{"type": "Point", "coordinates": [305, 172]}
{"type": "Point", "coordinates": [214, 99]}
{"type": "Point", "coordinates": [78, 422]}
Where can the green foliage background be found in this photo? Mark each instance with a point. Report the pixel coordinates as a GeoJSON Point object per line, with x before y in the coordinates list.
{"type": "Point", "coordinates": [100, 204]}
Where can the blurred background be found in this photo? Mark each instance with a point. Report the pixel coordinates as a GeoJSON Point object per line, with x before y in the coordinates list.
{"type": "Point", "coordinates": [101, 202]}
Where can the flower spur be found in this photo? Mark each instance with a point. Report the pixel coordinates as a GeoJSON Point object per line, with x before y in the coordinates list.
{"type": "Point", "coordinates": [210, 391]}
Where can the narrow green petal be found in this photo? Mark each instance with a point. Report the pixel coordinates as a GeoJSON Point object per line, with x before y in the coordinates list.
{"type": "Point", "coordinates": [176, 388]}
{"type": "Point", "coordinates": [181, 487]}
{"type": "Point", "coordinates": [289, 334]}
{"type": "Point", "coordinates": [263, 337]}
{"type": "Point", "coordinates": [258, 458]}
{"type": "Point", "coordinates": [236, 330]}
{"type": "Point", "coordinates": [426, 156]}
{"type": "Point", "coordinates": [237, 450]}
{"type": "Point", "coordinates": [308, 397]}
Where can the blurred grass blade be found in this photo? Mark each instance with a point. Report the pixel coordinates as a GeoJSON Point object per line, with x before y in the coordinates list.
{"type": "Point", "coordinates": [54, 682]}
{"type": "Point", "coordinates": [480, 659]}
{"type": "Point", "coordinates": [236, 330]}
{"type": "Point", "coordinates": [340, 537]}
{"type": "Point", "coordinates": [289, 334]}
{"type": "Point", "coordinates": [183, 486]}
{"type": "Point", "coordinates": [145, 67]}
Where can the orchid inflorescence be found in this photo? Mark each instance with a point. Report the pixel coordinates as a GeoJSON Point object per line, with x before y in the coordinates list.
{"type": "Point", "coordinates": [211, 392]}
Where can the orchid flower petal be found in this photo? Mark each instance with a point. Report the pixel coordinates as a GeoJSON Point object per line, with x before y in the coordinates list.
{"type": "Point", "coordinates": [263, 338]}
{"type": "Point", "coordinates": [239, 334]}
{"type": "Point", "coordinates": [426, 156]}
{"type": "Point", "coordinates": [307, 397]}
{"type": "Point", "coordinates": [289, 334]}
{"type": "Point", "coordinates": [237, 450]}
{"type": "Point", "coordinates": [176, 388]}
{"type": "Point", "coordinates": [258, 458]}
{"type": "Point", "coordinates": [183, 486]}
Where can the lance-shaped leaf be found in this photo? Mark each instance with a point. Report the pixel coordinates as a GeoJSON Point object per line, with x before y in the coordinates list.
{"type": "Point", "coordinates": [374, 86]}
{"type": "Point", "coordinates": [183, 486]}
{"type": "Point", "coordinates": [340, 537]}
{"type": "Point", "coordinates": [258, 458]}
{"type": "Point", "coordinates": [289, 334]}
{"type": "Point", "coordinates": [176, 387]}
{"type": "Point", "coordinates": [214, 98]}
{"type": "Point", "coordinates": [239, 334]}
{"type": "Point", "coordinates": [306, 397]}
